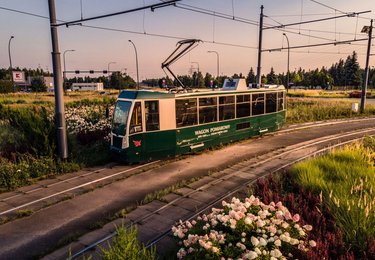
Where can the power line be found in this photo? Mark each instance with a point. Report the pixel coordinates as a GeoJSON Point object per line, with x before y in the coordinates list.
{"type": "Point", "coordinates": [329, 7]}
{"type": "Point", "coordinates": [317, 20]}
{"type": "Point", "coordinates": [132, 32]}
{"type": "Point", "coordinates": [315, 45]}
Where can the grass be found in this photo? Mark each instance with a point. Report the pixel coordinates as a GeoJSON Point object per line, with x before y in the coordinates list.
{"type": "Point", "coordinates": [309, 110]}
{"type": "Point", "coordinates": [345, 178]}
{"type": "Point", "coordinates": [48, 99]}
{"type": "Point", "coordinates": [126, 246]}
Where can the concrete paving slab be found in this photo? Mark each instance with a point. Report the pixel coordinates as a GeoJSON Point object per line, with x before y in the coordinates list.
{"type": "Point", "coordinates": [245, 175]}
{"type": "Point", "coordinates": [153, 205]}
{"type": "Point", "coordinates": [221, 188]}
{"type": "Point", "coordinates": [189, 204]}
{"type": "Point", "coordinates": [203, 196]}
{"type": "Point", "coordinates": [170, 197]}
{"type": "Point", "coordinates": [201, 182]}
{"type": "Point", "coordinates": [135, 215]}
{"type": "Point", "coordinates": [174, 212]}
{"type": "Point", "coordinates": [165, 245]}
{"type": "Point", "coordinates": [158, 223]}
{"type": "Point", "coordinates": [184, 191]}
{"type": "Point", "coordinates": [147, 233]}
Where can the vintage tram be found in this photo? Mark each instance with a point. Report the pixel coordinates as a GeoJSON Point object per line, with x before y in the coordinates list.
{"type": "Point", "coordinates": [149, 125]}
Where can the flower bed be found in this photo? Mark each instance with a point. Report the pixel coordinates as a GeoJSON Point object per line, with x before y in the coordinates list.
{"type": "Point", "coordinates": [246, 229]}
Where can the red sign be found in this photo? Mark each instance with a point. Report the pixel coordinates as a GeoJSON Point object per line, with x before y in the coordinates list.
{"type": "Point", "coordinates": [19, 76]}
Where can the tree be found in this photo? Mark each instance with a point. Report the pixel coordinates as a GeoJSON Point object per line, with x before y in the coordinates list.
{"type": "Point", "coordinates": [352, 71]}
{"type": "Point", "coordinates": [272, 77]}
{"type": "Point", "coordinates": [207, 80]}
{"type": "Point", "coordinates": [250, 77]}
{"type": "Point", "coordinates": [38, 84]}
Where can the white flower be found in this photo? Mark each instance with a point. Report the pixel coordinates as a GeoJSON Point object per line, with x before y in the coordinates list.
{"type": "Point", "coordinates": [312, 243]}
{"type": "Point", "coordinates": [254, 241]}
{"type": "Point", "coordinates": [278, 242]}
{"type": "Point", "coordinates": [251, 255]}
{"type": "Point", "coordinates": [276, 253]}
{"type": "Point", "coordinates": [262, 242]}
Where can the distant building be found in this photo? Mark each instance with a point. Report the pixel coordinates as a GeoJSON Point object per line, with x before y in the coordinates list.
{"type": "Point", "coordinates": [87, 86]}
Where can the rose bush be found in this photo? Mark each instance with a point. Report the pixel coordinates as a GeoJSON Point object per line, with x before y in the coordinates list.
{"type": "Point", "coordinates": [246, 229]}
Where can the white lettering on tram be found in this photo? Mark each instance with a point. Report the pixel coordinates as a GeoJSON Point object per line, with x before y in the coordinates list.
{"type": "Point", "coordinates": [217, 130]}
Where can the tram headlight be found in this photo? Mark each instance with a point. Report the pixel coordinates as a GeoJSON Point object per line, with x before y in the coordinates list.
{"type": "Point", "coordinates": [124, 143]}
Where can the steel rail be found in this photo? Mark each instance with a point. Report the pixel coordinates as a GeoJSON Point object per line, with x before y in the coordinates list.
{"type": "Point", "coordinates": [285, 151]}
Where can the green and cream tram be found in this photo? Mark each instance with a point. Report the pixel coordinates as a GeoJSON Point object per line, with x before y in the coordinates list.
{"type": "Point", "coordinates": [149, 125]}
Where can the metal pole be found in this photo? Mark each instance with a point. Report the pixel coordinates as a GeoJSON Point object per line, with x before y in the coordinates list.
{"type": "Point", "coordinates": [109, 83]}
{"type": "Point", "coordinates": [365, 78]}
{"type": "Point", "coordinates": [288, 73]}
{"type": "Point", "coordinates": [136, 62]}
{"type": "Point", "coordinates": [259, 77]}
{"type": "Point", "coordinates": [64, 72]}
{"type": "Point", "coordinates": [10, 62]}
{"type": "Point", "coordinates": [59, 98]}
{"type": "Point", "coordinates": [217, 56]}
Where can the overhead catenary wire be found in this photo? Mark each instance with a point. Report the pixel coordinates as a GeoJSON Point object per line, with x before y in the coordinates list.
{"type": "Point", "coordinates": [132, 32]}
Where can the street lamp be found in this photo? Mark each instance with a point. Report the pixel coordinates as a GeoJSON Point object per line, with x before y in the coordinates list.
{"type": "Point", "coordinates": [109, 63]}
{"type": "Point", "coordinates": [194, 62]}
{"type": "Point", "coordinates": [64, 73]}
{"type": "Point", "coordinates": [217, 56]}
{"type": "Point", "coordinates": [287, 77]}
{"type": "Point", "coordinates": [136, 62]}
{"type": "Point", "coordinates": [10, 62]}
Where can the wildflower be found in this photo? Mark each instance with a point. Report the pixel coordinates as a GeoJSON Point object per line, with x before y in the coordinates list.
{"type": "Point", "coordinates": [277, 242]}
{"type": "Point", "coordinates": [251, 255]}
{"type": "Point", "coordinates": [276, 253]}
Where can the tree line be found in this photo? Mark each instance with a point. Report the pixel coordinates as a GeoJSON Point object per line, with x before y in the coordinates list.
{"type": "Point", "coordinates": [343, 73]}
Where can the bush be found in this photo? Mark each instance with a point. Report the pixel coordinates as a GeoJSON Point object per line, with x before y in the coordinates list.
{"type": "Point", "coordinates": [6, 86]}
{"type": "Point", "coordinates": [36, 132]}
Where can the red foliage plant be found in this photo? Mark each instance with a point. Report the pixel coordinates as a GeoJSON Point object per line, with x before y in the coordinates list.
{"type": "Point", "coordinates": [329, 239]}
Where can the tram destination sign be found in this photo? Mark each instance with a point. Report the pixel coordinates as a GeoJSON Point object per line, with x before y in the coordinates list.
{"type": "Point", "coordinates": [217, 130]}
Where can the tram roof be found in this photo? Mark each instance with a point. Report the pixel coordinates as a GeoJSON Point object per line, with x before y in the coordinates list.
{"type": "Point", "coordinates": [154, 94]}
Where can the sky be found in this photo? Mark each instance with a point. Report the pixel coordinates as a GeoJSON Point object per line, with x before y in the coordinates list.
{"type": "Point", "coordinates": [156, 33]}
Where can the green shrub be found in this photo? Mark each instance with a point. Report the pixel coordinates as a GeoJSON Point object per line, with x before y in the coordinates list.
{"type": "Point", "coordinates": [126, 246]}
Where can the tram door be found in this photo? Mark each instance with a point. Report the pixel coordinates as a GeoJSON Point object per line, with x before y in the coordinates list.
{"type": "Point", "coordinates": [136, 133]}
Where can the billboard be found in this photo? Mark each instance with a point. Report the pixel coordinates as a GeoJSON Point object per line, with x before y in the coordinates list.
{"type": "Point", "coordinates": [19, 77]}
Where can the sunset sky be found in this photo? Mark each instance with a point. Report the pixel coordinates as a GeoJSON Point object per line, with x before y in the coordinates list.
{"type": "Point", "coordinates": [156, 33]}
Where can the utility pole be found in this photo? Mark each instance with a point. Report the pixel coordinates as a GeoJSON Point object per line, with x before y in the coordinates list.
{"type": "Point", "coordinates": [259, 77]}
{"type": "Point", "coordinates": [57, 79]}
{"type": "Point", "coordinates": [366, 29]}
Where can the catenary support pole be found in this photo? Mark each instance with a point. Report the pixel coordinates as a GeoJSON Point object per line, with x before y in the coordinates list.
{"type": "Point", "coordinates": [259, 77]}
{"type": "Point", "coordinates": [57, 79]}
{"type": "Point", "coordinates": [365, 77]}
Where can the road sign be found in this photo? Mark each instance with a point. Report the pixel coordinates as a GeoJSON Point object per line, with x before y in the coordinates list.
{"type": "Point", "coordinates": [19, 76]}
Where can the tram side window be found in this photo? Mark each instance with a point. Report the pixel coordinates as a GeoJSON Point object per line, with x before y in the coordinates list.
{"type": "Point", "coordinates": [280, 101]}
{"type": "Point", "coordinates": [243, 106]}
{"type": "Point", "coordinates": [186, 112]}
{"type": "Point", "coordinates": [136, 120]}
{"type": "Point", "coordinates": [152, 115]}
{"type": "Point", "coordinates": [226, 108]}
{"type": "Point", "coordinates": [258, 104]}
{"type": "Point", "coordinates": [271, 102]}
{"type": "Point", "coordinates": [207, 110]}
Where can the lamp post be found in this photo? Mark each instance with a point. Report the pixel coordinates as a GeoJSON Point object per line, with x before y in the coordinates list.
{"type": "Point", "coordinates": [136, 62]}
{"type": "Point", "coordinates": [217, 56]}
{"type": "Point", "coordinates": [109, 63]}
{"type": "Point", "coordinates": [368, 30]}
{"type": "Point", "coordinates": [10, 62]}
{"type": "Point", "coordinates": [64, 73]}
{"type": "Point", "coordinates": [288, 73]}
{"type": "Point", "coordinates": [194, 62]}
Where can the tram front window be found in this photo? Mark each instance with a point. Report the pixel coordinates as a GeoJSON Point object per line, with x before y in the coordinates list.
{"type": "Point", "coordinates": [120, 117]}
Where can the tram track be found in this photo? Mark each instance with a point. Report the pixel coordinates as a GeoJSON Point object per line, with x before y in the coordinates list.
{"type": "Point", "coordinates": [233, 171]}
{"type": "Point", "coordinates": [43, 188]}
